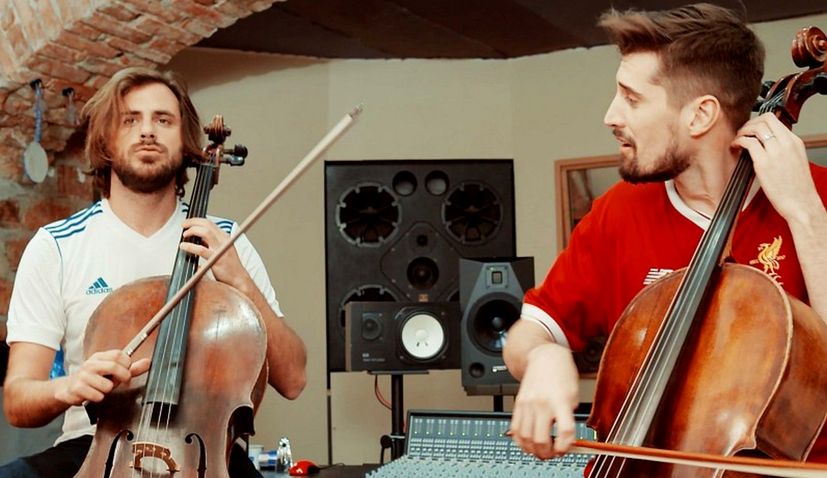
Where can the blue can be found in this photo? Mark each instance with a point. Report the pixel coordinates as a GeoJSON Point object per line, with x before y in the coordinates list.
{"type": "Point", "coordinates": [267, 460]}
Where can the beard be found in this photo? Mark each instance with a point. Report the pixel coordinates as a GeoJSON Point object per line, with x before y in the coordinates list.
{"type": "Point", "coordinates": [160, 177]}
{"type": "Point", "coordinates": [671, 163]}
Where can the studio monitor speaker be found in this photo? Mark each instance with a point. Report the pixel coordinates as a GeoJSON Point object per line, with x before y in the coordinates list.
{"type": "Point", "coordinates": [394, 336]}
{"type": "Point", "coordinates": [395, 230]}
{"type": "Point", "coordinates": [491, 296]}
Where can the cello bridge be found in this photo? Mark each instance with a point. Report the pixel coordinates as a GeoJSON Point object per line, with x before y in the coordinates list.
{"type": "Point", "coordinates": [141, 450]}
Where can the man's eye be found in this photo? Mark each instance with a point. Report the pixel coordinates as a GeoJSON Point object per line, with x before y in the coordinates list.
{"type": "Point", "coordinates": [129, 120]}
{"type": "Point", "coordinates": [163, 120]}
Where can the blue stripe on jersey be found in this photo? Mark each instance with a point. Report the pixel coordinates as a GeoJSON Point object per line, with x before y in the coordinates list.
{"type": "Point", "coordinates": [69, 233]}
{"type": "Point", "coordinates": [225, 224]}
{"type": "Point", "coordinates": [75, 220]}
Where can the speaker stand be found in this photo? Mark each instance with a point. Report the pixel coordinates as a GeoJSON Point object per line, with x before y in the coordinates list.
{"type": "Point", "coordinates": [397, 436]}
{"type": "Point", "coordinates": [498, 403]}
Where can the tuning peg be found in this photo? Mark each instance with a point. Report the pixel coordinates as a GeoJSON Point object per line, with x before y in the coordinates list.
{"type": "Point", "coordinates": [235, 156]}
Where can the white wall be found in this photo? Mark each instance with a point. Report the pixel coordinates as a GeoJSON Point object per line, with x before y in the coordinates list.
{"type": "Point", "coordinates": [535, 110]}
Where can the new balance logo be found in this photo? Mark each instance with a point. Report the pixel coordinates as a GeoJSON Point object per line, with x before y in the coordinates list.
{"type": "Point", "coordinates": [655, 274]}
{"type": "Point", "coordinates": [99, 287]}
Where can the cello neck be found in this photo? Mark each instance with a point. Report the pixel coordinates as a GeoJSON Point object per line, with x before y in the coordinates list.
{"type": "Point", "coordinates": [166, 374]}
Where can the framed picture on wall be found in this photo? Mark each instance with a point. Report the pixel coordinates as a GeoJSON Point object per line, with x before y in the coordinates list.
{"type": "Point", "coordinates": [579, 181]}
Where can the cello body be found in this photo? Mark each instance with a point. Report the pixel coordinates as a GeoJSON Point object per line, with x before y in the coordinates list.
{"type": "Point", "coordinates": [225, 361]}
{"type": "Point", "coordinates": [750, 380]}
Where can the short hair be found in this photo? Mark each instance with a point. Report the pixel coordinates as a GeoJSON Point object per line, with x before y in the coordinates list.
{"type": "Point", "coordinates": [104, 110]}
{"type": "Point", "coordinates": [703, 49]}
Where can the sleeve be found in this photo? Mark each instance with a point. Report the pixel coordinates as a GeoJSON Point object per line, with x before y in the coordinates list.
{"type": "Point", "coordinates": [567, 304]}
{"type": "Point", "coordinates": [255, 267]}
{"type": "Point", "coordinates": [36, 306]}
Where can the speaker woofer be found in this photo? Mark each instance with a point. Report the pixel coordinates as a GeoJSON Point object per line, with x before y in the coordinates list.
{"type": "Point", "coordinates": [472, 213]}
{"type": "Point", "coordinates": [491, 322]}
{"type": "Point", "coordinates": [422, 336]}
{"type": "Point", "coordinates": [423, 273]}
{"type": "Point", "coordinates": [367, 215]}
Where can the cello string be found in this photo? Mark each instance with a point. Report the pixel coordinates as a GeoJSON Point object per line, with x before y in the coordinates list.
{"type": "Point", "coordinates": [729, 207]}
{"type": "Point", "coordinates": [160, 414]}
{"type": "Point", "coordinates": [197, 209]}
{"type": "Point", "coordinates": [650, 372]}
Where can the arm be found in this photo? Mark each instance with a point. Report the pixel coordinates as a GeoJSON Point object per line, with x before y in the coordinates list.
{"type": "Point", "coordinates": [28, 396]}
{"type": "Point", "coordinates": [548, 389]}
{"type": "Point", "coordinates": [286, 354]}
{"type": "Point", "coordinates": [30, 399]}
{"type": "Point", "coordinates": [781, 166]}
{"type": "Point", "coordinates": [35, 331]}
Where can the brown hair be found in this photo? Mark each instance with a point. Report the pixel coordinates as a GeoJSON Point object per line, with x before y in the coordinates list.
{"type": "Point", "coordinates": [104, 109]}
{"type": "Point", "coordinates": [703, 49]}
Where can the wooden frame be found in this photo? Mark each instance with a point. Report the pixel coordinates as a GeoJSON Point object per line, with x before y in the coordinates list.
{"type": "Point", "coordinates": [816, 141]}
{"type": "Point", "coordinates": [565, 168]}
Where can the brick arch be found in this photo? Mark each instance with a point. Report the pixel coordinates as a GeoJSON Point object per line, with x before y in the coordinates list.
{"type": "Point", "coordinates": [78, 44]}
{"type": "Point", "coordinates": [81, 43]}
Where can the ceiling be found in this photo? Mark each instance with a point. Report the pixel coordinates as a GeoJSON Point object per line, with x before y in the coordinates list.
{"type": "Point", "coordinates": [447, 28]}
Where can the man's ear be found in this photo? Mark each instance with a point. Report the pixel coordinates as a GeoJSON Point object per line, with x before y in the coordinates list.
{"type": "Point", "coordinates": [702, 114]}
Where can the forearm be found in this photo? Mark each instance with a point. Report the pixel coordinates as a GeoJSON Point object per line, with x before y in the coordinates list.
{"type": "Point", "coordinates": [31, 403]}
{"type": "Point", "coordinates": [287, 358]}
{"type": "Point", "coordinates": [809, 231]}
{"type": "Point", "coordinates": [523, 338]}
{"type": "Point", "coordinates": [286, 354]}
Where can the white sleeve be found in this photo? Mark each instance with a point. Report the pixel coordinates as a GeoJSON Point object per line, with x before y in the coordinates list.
{"type": "Point", "coordinates": [539, 316]}
{"type": "Point", "coordinates": [255, 267]}
{"type": "Point", "coordinates": [36, 307]}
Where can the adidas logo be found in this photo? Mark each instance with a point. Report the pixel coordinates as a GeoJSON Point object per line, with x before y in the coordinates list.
{"type": "Point", "coordinates": [99, 287]}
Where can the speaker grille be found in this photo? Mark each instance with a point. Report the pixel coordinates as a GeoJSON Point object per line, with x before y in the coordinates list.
{"type": "Point", "coordinates": [367, 215]}
{"type": "Point", "coordinates": [395, 230]}
{"type": "Point", "coordinates": [472, 213]}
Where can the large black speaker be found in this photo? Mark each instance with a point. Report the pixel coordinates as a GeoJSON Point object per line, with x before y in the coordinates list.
{"type": "Point", "coordinates": [395, 230]}
{"type": "Point", "coordinates": [391, 336]}
{"type": "Point", "coordinates": [491, 297]}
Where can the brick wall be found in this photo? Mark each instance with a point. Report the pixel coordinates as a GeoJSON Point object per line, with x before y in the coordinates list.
{"type": "Point", "coordinates": [76, 44]}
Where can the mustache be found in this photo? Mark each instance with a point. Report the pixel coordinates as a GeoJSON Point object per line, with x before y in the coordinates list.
{"type": "Point", "coordinates": [622, 137]}
{"type": "Point", "coordinates": [148, 143]}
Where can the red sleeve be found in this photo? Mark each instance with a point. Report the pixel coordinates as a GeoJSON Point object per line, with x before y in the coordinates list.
{"type": "Point", "coordinates": [570, 296]}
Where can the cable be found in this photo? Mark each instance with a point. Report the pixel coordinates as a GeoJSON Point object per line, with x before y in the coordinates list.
{"type": "Point", "coordinates": [378, 393]}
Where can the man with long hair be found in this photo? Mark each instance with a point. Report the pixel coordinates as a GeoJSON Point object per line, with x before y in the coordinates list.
{"type": "Point", "coordinates": [142, 128]}
{"type": "Point", "coordinates": [686, 83]}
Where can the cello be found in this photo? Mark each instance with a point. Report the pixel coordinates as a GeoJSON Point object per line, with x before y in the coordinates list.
{"type": "Point", "coordinates": [716, 358]}
{"type": "Point", "coordinates": [208, 371]}
{"type": "Point", "coordinates": [219, 388]}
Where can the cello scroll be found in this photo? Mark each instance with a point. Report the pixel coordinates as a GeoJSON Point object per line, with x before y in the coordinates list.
{"type": "Point", "coordinates": [787, 95]}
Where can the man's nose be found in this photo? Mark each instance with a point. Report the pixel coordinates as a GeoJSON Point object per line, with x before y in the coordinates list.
{"type": "Point", "coordinates": [612, 118]}
{"type": "Point", "coordinates": [147, 130]}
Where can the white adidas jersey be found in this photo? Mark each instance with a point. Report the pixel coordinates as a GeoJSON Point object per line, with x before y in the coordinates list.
{"type": "Point", "coordinates": [71, 265]}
